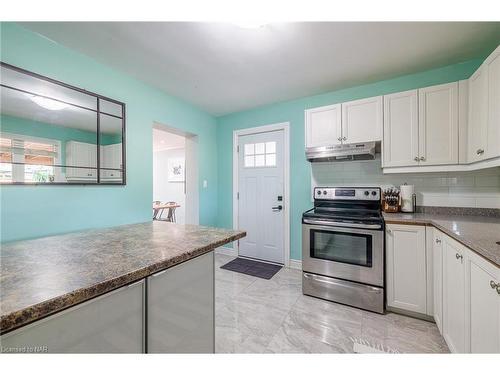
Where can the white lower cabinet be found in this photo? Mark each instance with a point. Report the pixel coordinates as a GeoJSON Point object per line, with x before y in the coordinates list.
{"type": "Point", "coordinates": [111, 323]}
{"type": "Point", "coordinates": [453, 295]}
{"type": "Point", "coordinates": [437, 279]}
{"type": "Point", "coordinates": [465, 287]}
{"type": "Point", "coordinates": [181, 308]}
{"type": "Point", "coordinates": [484, 313]}
{"type": "Point", "coordinates": [406, 267]}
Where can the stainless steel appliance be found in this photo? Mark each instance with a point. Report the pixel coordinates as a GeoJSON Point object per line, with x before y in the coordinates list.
{"type": "Point", "coordinates": [343, 247]}
{"type": "Point", "coordinates": [343, 152]}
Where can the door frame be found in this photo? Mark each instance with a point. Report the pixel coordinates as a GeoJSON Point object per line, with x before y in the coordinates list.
{"type": "Point", "coordinates": [285, 127]}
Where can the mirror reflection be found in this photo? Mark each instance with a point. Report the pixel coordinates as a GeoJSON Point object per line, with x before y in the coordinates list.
{"type": "Point", "coordinates": [49, 133]}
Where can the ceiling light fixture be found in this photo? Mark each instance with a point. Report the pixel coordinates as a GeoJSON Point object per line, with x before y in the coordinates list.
{"type": "Point", "coordinates": [50, 104]}
{"type": "Point", "coordinates": [249, 24]}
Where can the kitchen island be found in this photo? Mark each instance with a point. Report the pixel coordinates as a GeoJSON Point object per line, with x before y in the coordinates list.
{"type": "Point", "coordinates": [134, 288]}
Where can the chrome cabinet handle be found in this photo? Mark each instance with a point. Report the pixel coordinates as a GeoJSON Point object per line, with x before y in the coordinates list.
{"type": "Point", "coordinates": [416, 158]}
{"type": "Point", "coordinates": [389, 231]}
{"type": "Point", "coordinates": [277, 208]}
{"type": "Point", "coordinates": [459, 256]}
{"type": "Point", "coordinates": [422, 158]}
{"type": "Point", "coordinates": [480, 151]}
{"type": "Point", "coordinates": [339, 139]}
{"type": "Point", "coordinates": [344, 138]}
{"type": "Point", "coordinates": [438, 240]}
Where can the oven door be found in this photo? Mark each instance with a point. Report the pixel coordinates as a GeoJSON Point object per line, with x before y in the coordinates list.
{"type": "Point", "coordinates": [354, 254]}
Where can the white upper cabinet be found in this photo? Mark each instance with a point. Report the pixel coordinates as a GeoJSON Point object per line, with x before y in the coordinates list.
{"type": "Point", "coordinates": [492, 64]}
{"type": "Point", "coordinates": [362, 120]}
{"type": "Point", "coordinates": [484, 110]}
{"type": "Point", "coordinates": [438, 124]}
{"type": "Point", "coordinates": [478, 119]}
{"type": "Point", "coordinates": [400, 143]}
{"type": "Point", "coordinates": [421, 127]}
{"type": "Point", "coordinates": [323, 126]}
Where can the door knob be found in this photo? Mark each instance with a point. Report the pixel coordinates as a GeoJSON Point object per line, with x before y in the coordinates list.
{"type": "Point", "coordinates": [416, 158]}
{"type": "Point", "coordinates": [277, 208]}
{"type": "Point", "coordinates": [480, 152]}
{"type": "Point", "coordinates": [422, 158]}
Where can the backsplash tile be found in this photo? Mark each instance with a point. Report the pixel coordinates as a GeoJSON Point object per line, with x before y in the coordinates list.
{"type": "Point", "coordinates": [453, 189]}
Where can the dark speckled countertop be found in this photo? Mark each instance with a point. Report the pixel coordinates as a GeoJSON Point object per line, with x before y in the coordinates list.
{"type": "Point", "coordinates": [479, 233]}
{"type": "Point", "coordinates": [42, 276]}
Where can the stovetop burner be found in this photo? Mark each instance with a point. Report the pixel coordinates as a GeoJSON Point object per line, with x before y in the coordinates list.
{"type": "Point", "coordinates": [352, 205]}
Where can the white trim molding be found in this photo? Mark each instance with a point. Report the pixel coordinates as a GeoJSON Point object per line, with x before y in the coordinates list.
{"type": "Point", "coordinates": [285, 126]}
{"type": "Point", "coordinates": [295, 264]}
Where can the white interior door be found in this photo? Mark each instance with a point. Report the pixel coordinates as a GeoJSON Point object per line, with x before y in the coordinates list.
{"type": "Point", "coordinates": [260, 184]}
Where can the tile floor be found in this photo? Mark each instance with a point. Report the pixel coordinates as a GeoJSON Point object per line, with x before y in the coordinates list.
{"type": "Point", "coordinates": [273, 316]}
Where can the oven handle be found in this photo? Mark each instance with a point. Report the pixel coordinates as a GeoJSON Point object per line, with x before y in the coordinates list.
{"type": "Point", "coordinates": [329, 280]}
{"type": "Point", "coordinates": [341, 224]}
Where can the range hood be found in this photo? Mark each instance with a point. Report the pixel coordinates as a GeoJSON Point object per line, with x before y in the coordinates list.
{"type": "Point", "coordinates": [346, 152]}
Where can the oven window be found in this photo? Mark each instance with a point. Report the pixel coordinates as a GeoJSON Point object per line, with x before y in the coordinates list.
{"type": "Point", "coordinates": [350, 248]}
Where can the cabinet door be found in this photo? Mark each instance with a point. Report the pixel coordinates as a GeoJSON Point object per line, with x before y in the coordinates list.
{"type": "Point", "coordinates": [453, 295]}
{"type": "Point", "coordinates": [362, 120]}
{"type": "Point", "coordinates": [400, 140]}
{"type": "Point", "coordinates": [484, 307]}
{"type": "Point", "coordinates": [406, 267]}
{"type": "Point", "coordinates": [492, 63]}
{"type": "Point", "coordinates": [478, 115]}
{"type": "Point", "coordinates": [437, 255]}
{"type": "Point", "coordinates": [181, 308]}
{"type": "Point", "coordinates": [111, 323]}
{"type": "Point", "coordinates": [323, 126]}
{"type": "Point", "coordinates": [438, 124]}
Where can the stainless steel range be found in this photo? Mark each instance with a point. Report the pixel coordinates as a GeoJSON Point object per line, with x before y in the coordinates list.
{"type": "Point", "coordinates": [343, 247]}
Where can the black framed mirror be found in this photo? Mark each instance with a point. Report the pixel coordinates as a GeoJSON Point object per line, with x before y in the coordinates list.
{"type": "Point", "coordinates": [55, 133]}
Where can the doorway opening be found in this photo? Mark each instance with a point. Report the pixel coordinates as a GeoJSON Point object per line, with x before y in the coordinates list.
{"type": "Point", "coordinates": [175, 175]}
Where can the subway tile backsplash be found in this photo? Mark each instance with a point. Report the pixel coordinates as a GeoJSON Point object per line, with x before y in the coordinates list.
{"type": "Point", "coordinates": [453, 189]}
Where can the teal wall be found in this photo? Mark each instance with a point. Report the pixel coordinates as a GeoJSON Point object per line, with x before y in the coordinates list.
{"type": "Point", "coordinates": [34, 211]}
{"type": "Point", "coordinates": [293, 112]}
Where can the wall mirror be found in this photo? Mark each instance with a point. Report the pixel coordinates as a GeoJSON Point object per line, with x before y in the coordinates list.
{"type": "Point", "coordinates": [54, 133]}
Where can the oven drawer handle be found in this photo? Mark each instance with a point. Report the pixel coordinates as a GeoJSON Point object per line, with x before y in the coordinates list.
{"type": "Point", "coordinates": [340, 224]}
{"type": "Point", "coordinates": [333, 282]}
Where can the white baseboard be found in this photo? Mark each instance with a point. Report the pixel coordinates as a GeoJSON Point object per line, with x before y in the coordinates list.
{"type": "Point", "coordinates": [295, 264]}
{"type": "Point", "coordinates": [226, 251]}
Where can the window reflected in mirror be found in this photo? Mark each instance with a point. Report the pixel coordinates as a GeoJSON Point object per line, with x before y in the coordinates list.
{"type": "Point", "coordinates": [53, 133]}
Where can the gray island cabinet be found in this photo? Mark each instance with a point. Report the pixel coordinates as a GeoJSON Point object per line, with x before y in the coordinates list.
{"type": "Point", "coordinates": [154, 299]}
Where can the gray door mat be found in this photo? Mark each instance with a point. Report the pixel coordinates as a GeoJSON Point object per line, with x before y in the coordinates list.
{"type": "Point", "coordinates": [252, 268]}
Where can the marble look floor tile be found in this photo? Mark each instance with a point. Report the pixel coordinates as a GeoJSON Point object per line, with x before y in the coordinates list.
{"type": "Point", "coordinates": [273, 316]}
{"type": "Point", "coordinates": [245, 325]}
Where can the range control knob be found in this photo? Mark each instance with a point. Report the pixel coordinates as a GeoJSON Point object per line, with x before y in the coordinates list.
{"type": "Point", "coordinates": [374, 193]}
{"type": "Point", "coordinates": [324, 192]}
{"type": "Point", "coordinates": [318, 192]}
{"type": "Point", "coordinates": [367, 192]}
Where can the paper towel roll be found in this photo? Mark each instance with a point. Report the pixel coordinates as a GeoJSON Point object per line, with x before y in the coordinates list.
{"type": "Point", "coordinates": [407, 198]}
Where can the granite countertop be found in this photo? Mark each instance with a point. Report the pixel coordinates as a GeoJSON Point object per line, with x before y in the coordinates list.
{"type": "Point", "coordinates": [42, 276]}
{"type": "Point", "coordinates": [480, 233]}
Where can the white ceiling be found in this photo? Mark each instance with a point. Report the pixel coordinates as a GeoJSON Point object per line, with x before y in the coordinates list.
{"type": "Point", "coordinates": [164, 140]}
{"type": "Point", "coordinates": [223, 68]}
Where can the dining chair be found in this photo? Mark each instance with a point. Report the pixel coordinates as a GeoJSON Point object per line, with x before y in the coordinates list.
{"type": "Point", "coordinates": [155, 212]}
{"type": "Point", "coordinates": [171, 212]}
